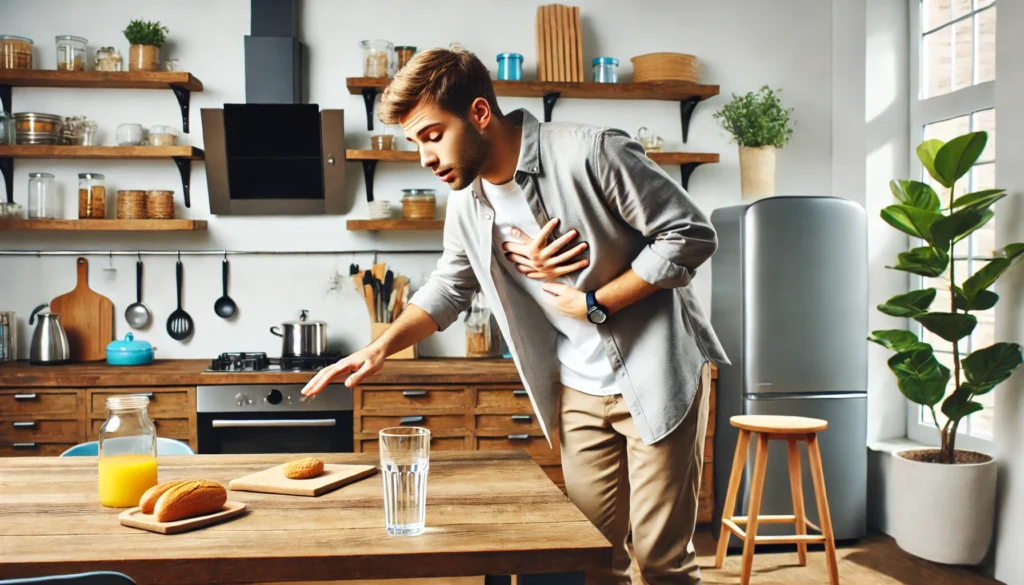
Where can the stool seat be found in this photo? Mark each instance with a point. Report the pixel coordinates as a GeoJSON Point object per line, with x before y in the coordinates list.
{"type": "Point", "coordinates": [779, 425]}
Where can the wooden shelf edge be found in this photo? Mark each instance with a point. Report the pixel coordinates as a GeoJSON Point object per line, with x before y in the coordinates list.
{"type": "Point", "coordinates": [103, 225]}
{"type": "Point", "coordinates": [656, 90]}
{"type": "Point", "coordinates": [48, 151]}
{"type": "Point", "coordinates": [394, 224]}
{"type": "Point", "coordinates": [100, 79]}
{"type": "Point", "coordinates": [383, 155]}
{"type": "Point", "coordinates": [680, 158]}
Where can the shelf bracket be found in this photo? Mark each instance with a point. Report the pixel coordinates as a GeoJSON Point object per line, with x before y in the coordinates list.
{"type": "Point", "coordinates": [369, 96]}
{"type": "Point", "coordinates": [183, 96]}
{"type": "Point", "coordinates": [685, 112]}
{"type": "Point", "coordinates": [549, 104]}
{"type": "Point", "coordinates": [5, 99]}
{"type": "Point", "coordinates": [369, 166]}
{"type": "Point", "coordinates": [7, 168]}
{"type": "Point", "coordinates": [685, 170]}
{"type": "Point", "coordinates": [185, 168]}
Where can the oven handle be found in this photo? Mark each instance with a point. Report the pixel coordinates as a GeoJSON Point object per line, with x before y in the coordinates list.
{"type": "Point", "coordinates": [316, 422]}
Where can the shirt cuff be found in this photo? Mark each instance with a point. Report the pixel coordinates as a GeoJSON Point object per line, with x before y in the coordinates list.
{"type": "Point", "coordinates": [430, 298]}
{"type": "Point", "coordinates": [658, 271]}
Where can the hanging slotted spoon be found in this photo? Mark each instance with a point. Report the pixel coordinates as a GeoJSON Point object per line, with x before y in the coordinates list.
{"type": "Point", "coordinates": [179, 324]}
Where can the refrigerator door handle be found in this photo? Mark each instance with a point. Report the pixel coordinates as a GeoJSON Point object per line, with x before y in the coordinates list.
{"type": "Point", "coordinates": [798, 396]}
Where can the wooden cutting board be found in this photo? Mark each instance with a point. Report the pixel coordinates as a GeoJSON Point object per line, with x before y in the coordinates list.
{"type": "Point", "coordinates": [87, 318]}
{"type": "Point", "coordinates": [134, 518]}
{"type": "Point", "coordinates": [273, 481]}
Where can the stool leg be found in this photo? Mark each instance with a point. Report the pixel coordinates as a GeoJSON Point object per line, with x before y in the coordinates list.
{"type": "Point", "coordinates": [818, 475]}
{"type": "Point", "coordinates": [797, 490]}
{"type": "Point", "coordinates": [739, 459]}
{"type": "Point", "coordinates": [754, 508]}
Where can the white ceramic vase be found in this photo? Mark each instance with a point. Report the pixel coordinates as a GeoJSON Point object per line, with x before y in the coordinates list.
{"type": "Point", "coordinates": [757, 172]}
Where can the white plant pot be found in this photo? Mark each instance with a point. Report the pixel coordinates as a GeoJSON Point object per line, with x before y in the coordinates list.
{"type": "Point", "coordinates": [757, 172]}
{"type": "Point", "coordinates": [944, 513]}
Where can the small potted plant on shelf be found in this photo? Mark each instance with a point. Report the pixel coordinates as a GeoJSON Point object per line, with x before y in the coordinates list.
{"type": "Point", "coordinates": [146, 38]}
{"type": "Point", "coordinates": [944, 499]}
{"type": "Point", "coordinates": [760, 125]}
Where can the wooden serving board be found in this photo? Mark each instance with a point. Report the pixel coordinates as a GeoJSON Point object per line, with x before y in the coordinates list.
{"type": "Point", "coordinates": [273, 481]}
{"type": "Point", "coordinates": [134, 518]}
{"type": "Point", "coordinates": [87, 318]}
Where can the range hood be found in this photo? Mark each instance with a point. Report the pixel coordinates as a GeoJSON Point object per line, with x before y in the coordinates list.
{"type": "Point", "coordinates": [274, 154]}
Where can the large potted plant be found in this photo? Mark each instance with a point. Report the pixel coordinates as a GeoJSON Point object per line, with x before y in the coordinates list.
{"type": "Point", "coordinates": [146, 38]}
{"type": "Point", "coordinates": [944, 499]}
{"type": "Point", "coordinates": [759, 124]}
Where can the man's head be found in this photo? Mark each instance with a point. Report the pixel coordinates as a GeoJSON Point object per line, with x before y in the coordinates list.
{"type": "Point", "coordinates": [445, 103]}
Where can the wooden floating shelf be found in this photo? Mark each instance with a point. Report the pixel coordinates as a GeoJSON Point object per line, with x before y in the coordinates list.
{"type": "Point", "coordinates": [395, 224]}
{"type": "Point", "coordinates": [100, 79]}
{"type": "Point", "coordinates": [100, 152]}
{"type": "Point", "coordinates": [663, 90]}
{"type": "Point", "coordinates": [103, 225]}
{"type": "Point", "coordinates": [383, 155]}
{"type": "Point", "coordinates": [682, 158]}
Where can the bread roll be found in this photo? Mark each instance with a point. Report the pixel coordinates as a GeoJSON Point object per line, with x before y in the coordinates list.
{"type": "Point", "coordinates": [148, 501]}
{"type": "Point", "coordinates": [192, 498]}
{"type": "Point", "coordinates": [304, 468]}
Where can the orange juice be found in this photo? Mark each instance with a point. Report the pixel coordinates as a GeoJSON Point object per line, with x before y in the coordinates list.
{"type": "Point", "coordinates": [124, 478]}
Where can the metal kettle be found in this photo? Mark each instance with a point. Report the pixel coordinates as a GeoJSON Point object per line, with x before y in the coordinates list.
{"type": "Point", "coordinates": [49, 341]}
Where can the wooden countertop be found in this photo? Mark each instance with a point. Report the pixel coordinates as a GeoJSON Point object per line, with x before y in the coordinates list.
{"type": "Point", "coordinates": [191, 373]}
{"type": "Point", "coordinates": [488, 512]}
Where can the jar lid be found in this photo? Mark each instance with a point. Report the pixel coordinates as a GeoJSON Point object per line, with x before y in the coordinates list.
{"type": "Point", "coordinates": [91, 176]}
{"type": "Point", "coordinates": [129, 346]}
{"type": "Point", "coordinates": [40, 176]}
{"type": "Point", "coordinates": [159, 129]}
{"type": "Point", "coordinates": [15, 38]}
{"type": "Point", "coordinates": [72, 38]}
{"type": "Point", "coordinates": [38, 116]}
{"type": "Point", "coordinates": [127, 402]}
{"type": "Point", "coordinates": [376, 44]}
{"type": "Point", "coordinates": [406, 48]}
{"type": "Point", "coordinates": [605, 61]}
{"type": "Point", "coordinates": [418, 193]}
{"type": "Point", "coordinates": [503, 56]}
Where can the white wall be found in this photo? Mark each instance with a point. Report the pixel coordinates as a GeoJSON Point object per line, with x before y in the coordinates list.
{"type": "Point", "coordinates": [742, 44]}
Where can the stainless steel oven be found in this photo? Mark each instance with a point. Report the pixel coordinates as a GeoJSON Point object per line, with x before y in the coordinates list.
{"type": "Point", "coordinates": [273, 418]}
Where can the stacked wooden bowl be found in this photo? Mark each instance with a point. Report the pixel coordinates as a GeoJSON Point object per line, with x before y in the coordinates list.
{"type": "Point", "coordinates": [160, 205]}
{"type": "Point", "coordinates": [131, 205]}
{"type": "Point", "coordinates": [665, 67]}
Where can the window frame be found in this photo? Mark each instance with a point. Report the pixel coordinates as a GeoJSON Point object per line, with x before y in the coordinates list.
{"type": "Point", "coordinates": [961, 102]}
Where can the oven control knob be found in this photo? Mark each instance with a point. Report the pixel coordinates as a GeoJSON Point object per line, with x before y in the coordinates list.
{"type": "Point", "coordinates": [274, 397]}
{"type": "Point", "coordinates": [240, 399]}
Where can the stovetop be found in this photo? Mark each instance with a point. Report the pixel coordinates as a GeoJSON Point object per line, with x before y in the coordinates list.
{"type": "Point", "coordinates": [259, 362]}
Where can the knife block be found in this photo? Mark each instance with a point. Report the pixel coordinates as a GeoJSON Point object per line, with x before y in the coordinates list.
{"type": "Point", "coordinates": [378, 329]}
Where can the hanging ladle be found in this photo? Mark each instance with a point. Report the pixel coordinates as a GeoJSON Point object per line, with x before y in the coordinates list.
{"type": "Point", "coordinates": [137, 314]}
{"type": "Point", "coordinates": [225, 307]}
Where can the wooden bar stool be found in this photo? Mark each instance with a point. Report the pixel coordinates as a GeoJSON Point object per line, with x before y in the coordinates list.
{"type": "Point", "coordinates": [782, 428]}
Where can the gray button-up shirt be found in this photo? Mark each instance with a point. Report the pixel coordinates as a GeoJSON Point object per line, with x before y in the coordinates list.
{"type": "Point", "coordinates": [633, 215]}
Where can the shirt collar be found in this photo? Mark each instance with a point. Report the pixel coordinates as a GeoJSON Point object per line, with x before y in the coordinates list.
{"type": "Point", "coordinates": [529, 148]}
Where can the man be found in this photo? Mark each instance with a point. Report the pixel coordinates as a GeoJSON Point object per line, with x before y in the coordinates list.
{"type": "Point", "coordinates": [584, 248]}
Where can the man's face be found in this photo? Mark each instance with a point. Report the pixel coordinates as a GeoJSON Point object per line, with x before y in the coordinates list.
{"type": "Point", "coordinates": [453, 147]}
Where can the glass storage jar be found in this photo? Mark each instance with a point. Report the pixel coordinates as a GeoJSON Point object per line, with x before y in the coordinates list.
{"type": "Point", "coordinates": [108, 59]}
{"type": "Point", "coordinates": [15, 52]}
{"type": "Point", "coordinates": [378, 58]}
{"type": "Point", "coordinates": [404, 53]}
{"type": "Point", "coordinates": [127, 452]}
{"type": "Point", "coordinates": [510, 66]}
{"type": "Point", "coordinates": [70, 53]}
{"type": "Point", "coordinates": [8, 131]}
{"type": "Point", "coordinates": [129, 134]}
{"type": "Point", "coordinates": [42, 197]}
{"type": "Point", "coordinates": [419, 204]}
{"type": "Point", "coordinates": [161, 136]}
{"type": "Point", "coordinates": [606, 70]}
{"type": "Point", "coordinates": [92, 196]}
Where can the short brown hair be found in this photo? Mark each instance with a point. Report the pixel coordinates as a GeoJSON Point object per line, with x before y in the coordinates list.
{"type": "Point", "coordinates": [450, 78]}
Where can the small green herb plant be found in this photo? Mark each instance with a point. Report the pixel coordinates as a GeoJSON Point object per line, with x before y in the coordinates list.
{"type": "Point", "coordinates": [757, 119]}
{"type": "Point", "coordinates": [141, 32]}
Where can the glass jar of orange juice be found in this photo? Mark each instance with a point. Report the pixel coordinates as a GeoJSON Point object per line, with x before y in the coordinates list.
{"type": "Point", "coordinates": [127, 449]}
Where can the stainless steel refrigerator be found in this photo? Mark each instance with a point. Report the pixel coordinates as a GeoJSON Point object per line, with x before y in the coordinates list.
{"type": "Point", "coordinates": [790, 305]}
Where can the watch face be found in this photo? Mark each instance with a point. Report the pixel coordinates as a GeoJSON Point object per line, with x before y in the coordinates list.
{"type": "Point", "coordinates": [597, 316]}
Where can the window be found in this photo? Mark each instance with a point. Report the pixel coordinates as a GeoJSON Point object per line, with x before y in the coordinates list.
{"type": "Point", "coordinates": [953, 48]}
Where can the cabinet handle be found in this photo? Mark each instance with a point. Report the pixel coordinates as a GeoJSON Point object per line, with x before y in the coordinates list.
{"type": "Point", "coordinates": [26, 396]}
{"type": "Point", "coordinates": [414, 392]}
{"type": "Point", "coordinates": [520, 392]}
{"type": "Point", "coordinates": [410, 420]}
{"type": "Point", "coordinates": [25, 446]}
{"type": "Point", "coordinates": [518, 437]}
{"type": "Point", "coordinates": [521, 418]}
{"type": "Point", "coordinates": [25, 425]}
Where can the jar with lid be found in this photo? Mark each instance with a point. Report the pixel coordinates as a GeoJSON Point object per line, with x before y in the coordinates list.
{"type": "Point", "coordinates": [8, 131]}
{"type": "Point", "coordinates": [70, 53]}
{"type": "Point", "coordinates": [161, 136]}
{"type": "Point", "coordinates": [92, 196]}
{"type": "Point", "coordinates": [418, 204]}
{"type": "Point", "coordinates": [404, 54]}
{"type": "Point", "coordinates": [510, 66]}
{"type": "Point", "coordinates": [15, 52]}
{"type": "Point", "coordinates": [127, 452]}
{"type": "Point", "coordinates": [42, 197]}
{"type": "Point", "coordinates": [129, 134]}
{"type": "Point", "coordinates": [108, 59]}
{"type": "Point", "coordinates": [606, 70]}
{"type": "Point", "coordinates": [482, 336]}
{"type": "Point", "coordinates": [378, 58]}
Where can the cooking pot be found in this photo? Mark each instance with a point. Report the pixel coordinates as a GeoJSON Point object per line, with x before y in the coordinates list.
{"type": "Point", "coordinates": [302, 338]}
{"type": "Point", "coordinates": [129, 352]}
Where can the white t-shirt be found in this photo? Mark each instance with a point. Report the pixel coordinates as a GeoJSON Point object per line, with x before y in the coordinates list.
{"type": "Point", "coordinates": [580, 349]}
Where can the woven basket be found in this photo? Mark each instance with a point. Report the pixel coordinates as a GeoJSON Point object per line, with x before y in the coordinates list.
{"type": "Point", "coordinates": [160, 205]}
{"type": "Point", "coordinates": [131, 205]}
{"type": "Point", "coordinates": [665, 67]}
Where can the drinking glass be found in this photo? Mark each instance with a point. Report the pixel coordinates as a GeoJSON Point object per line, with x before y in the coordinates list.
{"type": "Point", "coordinates": [404, 462]}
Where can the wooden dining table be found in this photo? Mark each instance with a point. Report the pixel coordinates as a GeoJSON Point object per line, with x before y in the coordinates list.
{"type": "Point", "coordinates": [491, 513]}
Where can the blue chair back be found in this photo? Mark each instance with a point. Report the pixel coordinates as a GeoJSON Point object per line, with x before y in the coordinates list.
{"type": "Point", "coordinates": [164, 446]}
{"type": "Point", "coordinates": [97, 578]}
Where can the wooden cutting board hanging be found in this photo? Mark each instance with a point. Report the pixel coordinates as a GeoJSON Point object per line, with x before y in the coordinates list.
{"type": "Point", "coordinates": [87, 318]}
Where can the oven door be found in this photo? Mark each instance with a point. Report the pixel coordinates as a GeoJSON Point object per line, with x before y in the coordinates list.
{"type": "Point", "coordinates": [275, 432]}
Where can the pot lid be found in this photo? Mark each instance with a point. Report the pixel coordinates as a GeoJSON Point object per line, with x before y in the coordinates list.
{"type": "Point", "coordinates": [304, 320]}
{"type": "Point", "coordinates": [129, 345]}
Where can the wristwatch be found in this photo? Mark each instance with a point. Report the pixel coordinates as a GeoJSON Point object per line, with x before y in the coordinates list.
{"type": "Point", "coordinates": [596, 313]}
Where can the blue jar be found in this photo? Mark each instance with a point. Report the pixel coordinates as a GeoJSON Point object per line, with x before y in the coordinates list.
{"type": "Point", "coordinates": [510, 66]}
{"type": "Point", "coordinates": [606, 70]}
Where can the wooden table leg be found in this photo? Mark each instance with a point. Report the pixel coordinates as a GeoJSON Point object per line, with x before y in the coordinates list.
{"type": "Point", "coordinates": [754, 508]}
{"type": "Point", "coordinates": [739, 459]}
{"type": "Point", "coordinates": [824, 518]}
{"type": "Point", "coordinates": [797, 491]}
